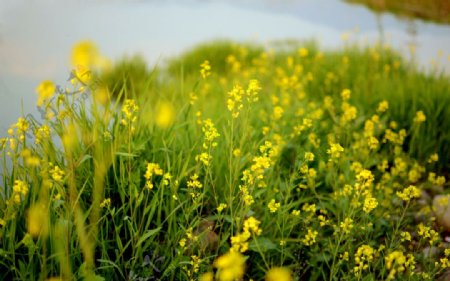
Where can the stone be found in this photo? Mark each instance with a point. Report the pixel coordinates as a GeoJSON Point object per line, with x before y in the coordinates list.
{"type": "Point", "coordinates": [441, 208]}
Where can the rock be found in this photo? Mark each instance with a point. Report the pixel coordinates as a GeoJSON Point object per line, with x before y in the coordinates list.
{"type": "Point", "coordinates": [441, 208]}
{"type": "Point", "coordinates": [445, 276]}
{"type": "Point", "coordinates": [430, 252]}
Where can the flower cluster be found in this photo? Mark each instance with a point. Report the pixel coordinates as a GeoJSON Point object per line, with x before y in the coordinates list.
{"type": "Point", "coordinates": [363, 258]}
{"type": "Point", "coordinates": [239, 242]}
{"type": "Point", "coordinates": [129, 112]}
{"type": "Point", "coordinates": [209, 142]}
{"type": "Point", "coordinates": [20, 189]}
{"type": "Point", "coordinates": [153, 169]}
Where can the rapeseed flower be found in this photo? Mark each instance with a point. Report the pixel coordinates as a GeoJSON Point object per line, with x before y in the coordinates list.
{"type": "Point", "coordinates": [370, 203]}
{"type": "Point", "coordinates": [205, 69]}
{"type": "Point", "coordinates": [405, 236]}
{"type": "Point", "coordinates": [420, 117]}
{"type": "Point", "coordinates": [105, 203]}
{"type": "Point", "coordinates": [165, 115]}
{"type": "Point", "coordinates": [345, 94]}
{"type": "Point", "coordinates": [57, 174]}
{"type": "Point", "coordinates": [395, 262]}
{"type": "Point", "coordinates": [42, 133]}
{"type": "Point", "coordinates": [278, 274]}
{"type": "Point", "coordinates": [45, 90]}
{"type": "Point", "coordinates": [251, 225]}
{"type": "Point", "coordinates": [335, 150]}
{"type": "Point", "coordinates": [383, 106]}
{"type": "Point", "coordinates": [37, 220]}
{"type": "Point", "coordinates": [234, 101]}
{"type": "Point", "coordinates": [239, 242]}
{"type": "Point", "coordinates": [363, 258]}
{"type": "Point", "coordinates": [129, 114]}
{"type": "Point", "coordinates": [152, 169]}
{"type": "Point", "coordinates": [193, 182]}
{"type": "Point", "coordinates": [309, 156]}
{"type": "Point", "coordinates": [346, 225]}
{"type": "Point", "coordinates": [221, 207]}
{"type": "Point", "coordinates": [85, 53]}
{"type": "Point", "coordinates": [409, 193]}
{"type": "Point", "coordinates": [433, 158]}
{"type": "Point", "coordinates": [310, 237]}
{"type": "Point", "coordinates": [210, 133]}
{"type": "Point", "coordinates": [230, 266]}
{"type": "Point", "coordinates": [20, 189]}
{"type": "Point", "coordinates": [273, 206]}
{"type": "Point", "coordinates": [208, 276]}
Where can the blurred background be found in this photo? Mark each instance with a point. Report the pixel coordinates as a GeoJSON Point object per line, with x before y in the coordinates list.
{"type": "Point", "coordinates": [36, 36]}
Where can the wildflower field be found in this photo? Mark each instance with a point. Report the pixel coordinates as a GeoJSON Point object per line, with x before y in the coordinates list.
{"type": "Point", "coordinates": [231, 162]}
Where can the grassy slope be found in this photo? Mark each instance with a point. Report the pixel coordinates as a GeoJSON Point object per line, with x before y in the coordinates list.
{"type": "Point", "coordinates": [142, 226]}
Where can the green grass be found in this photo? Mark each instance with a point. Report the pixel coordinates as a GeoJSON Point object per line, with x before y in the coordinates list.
{"type": "Point", "coordinates": [123, 189]}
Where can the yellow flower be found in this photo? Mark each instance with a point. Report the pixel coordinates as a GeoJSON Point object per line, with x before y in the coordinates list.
{"type": "Point", "coordinates": [409, 193]}
{"type": "Point", "coordinates": [395, 261]}
{"type": "Point", "coordinates": [277, 112]}
{"type": "Point", "coordinates": [194, 182]}
{"type": "Point", "coordinates": [405, 236]}
{"type": "Point", "coordinates": [230, 266]}
{"type": "Point", "coordinates": [310, 237]}
{"type": "Point", "coordinates": [239, 242]}
{"type": "Point", "coordinates": [345, 94]}
{"type": "Point", "coordinates": [347, 225]}
{"type": "Point", "coordinates": [335, 150]}
{"type": "Point", "coordinates": [208, 276]}
{"type": "Point", "coordinates": [37, 220]}
{"type": "Point", "coordinates": [165, 115]}
{"type": "Point", "coordinates": [20, 188]}
{"type": "Point", "coordinates": [309, 156]}
{"type": "Point", "coordinates": [433, 158]}
{"type": "Point", "coordinates": [106, 203]}
{"type": "Point", "coordinates": [420, 117]}
{"type": "Point", "coordinates": [363, 257]}
{"type": "Point", "coordinates": [372, 142]}
{"type": "Point", "coordinates": [152, 169]}
{"type": "Point", "coordinates": [57, 174]}
{"type": "Point", "coordinates": [370, 203]}
{"type": "Point", "coordinates": [234, 101]}
{"type": "Point", "coordinates": [203, 157]}
{"type": "Point", "coordinates": [383, 106]}
{"type": "Point", "coordinates": [102, 95]}
{"type": "Point", "coordinates": [205, 69]}
{"type": "Point", "coordinates": [45, 91]}
{"type": "Point", "coordinates": [85, 54]}
{"type": "Point", "coordinates": [303, 52]}
{"type": "Point", "coordinates": [278, 274]}
{"type": "Point", "coordinates": [349, 113]}
{"type": "Point", "coordinates": [221, 207]}
{"type": "Point", "coordinates": [273, 206]}
{"type": "Point", "coordinates": [210, 132]}
{"type": "Point", "coordinates": [252, 225]}
{"type": "Point", "coordinates": [182, 242]}
{"type": "Point", "coordinates": [253, 90]}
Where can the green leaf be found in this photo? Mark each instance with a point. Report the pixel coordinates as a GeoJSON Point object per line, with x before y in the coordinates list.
{"type": "Point", "coordinates": [125, 154]}
{"type": "Point", "coordinates": [147, 235]}
{"type": "Point", "coordinates": [85, 158]}
{"type": "Point", "coordinates": [261, 244]}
